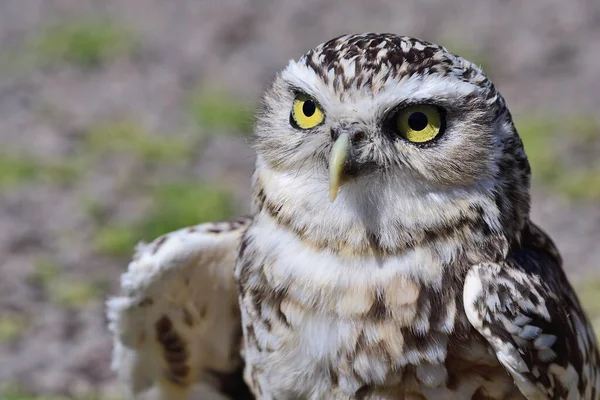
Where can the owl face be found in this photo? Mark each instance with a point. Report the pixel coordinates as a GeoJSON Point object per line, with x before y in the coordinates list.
{"type": "Point", "coordinates": [385, 114]}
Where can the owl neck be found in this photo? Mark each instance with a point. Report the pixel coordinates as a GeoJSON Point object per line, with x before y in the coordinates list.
{"type": "Point", "coordinates": [369, 218]}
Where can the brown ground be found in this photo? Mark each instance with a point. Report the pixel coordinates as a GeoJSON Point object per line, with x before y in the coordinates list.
{"type": "Point", "coordinates": [543, 56]}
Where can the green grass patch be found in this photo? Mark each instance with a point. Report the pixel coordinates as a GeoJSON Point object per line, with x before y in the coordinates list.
{"type": "Point", "coordinates": [61, 290]}
{"type": "Point", "coordinates": [11, 327]}
{"type": "Point", "coordinates": [215, 111]}
{"type": "Point", "coordinates": [11, 391]}
{"type": "Point", "coordinates": [537, 135]}
{"type": "Point", "coordinates": [115, 241]}
{"type": "Point", "coordinates": [553, 146]}
{"type": "Point", "coordinates": [63, 172]}
{"type": "Point", "coordinates": [181, 204]}
{"type": "Point", "coordinates": [85, 43]}
{"type": "Point", "coordinates": [16, 170]}
{"type": "Point", "coordinates": [95, 209]}
{"type": "Point", "coordinates": [580, 185]}
{"type": "Point", "coordinates": [586, 128]}
{"type": "Point", "coordinates": [174, 206]}
{"type": "Point", "coordinates": [45, 271]}
{"type": "Point", "coordinates": [16, 62]}
{"type": "Point", "coordinates": [73, 294]}
{"type": "Point", "coordinates": [129, 137]}
{"type": "Point", "coordinates": [589, 294]}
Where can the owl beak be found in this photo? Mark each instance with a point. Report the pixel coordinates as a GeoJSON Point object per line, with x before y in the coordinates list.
{"type": "Point", "coordinates": [338, 159]}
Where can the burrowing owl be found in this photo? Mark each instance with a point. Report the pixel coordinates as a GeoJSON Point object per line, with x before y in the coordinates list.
{"type": "Point", "coordinates": [390, 254]}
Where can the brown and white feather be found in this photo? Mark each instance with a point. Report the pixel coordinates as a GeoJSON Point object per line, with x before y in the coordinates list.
{"type": "Point", "coordinates": [176, 323]}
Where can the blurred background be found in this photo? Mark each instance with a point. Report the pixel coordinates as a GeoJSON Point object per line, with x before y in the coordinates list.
{"type": "Point", "coordinates": [122, 120]}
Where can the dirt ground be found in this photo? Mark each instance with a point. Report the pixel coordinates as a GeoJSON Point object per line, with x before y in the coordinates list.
{"type": "Point", "coordinates": [88, 139]}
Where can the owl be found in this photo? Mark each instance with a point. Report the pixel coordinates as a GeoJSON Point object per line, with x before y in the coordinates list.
{"type": "Point", "coordinates": [389, 255]}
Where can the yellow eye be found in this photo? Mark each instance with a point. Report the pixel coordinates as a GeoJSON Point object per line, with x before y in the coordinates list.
{"type": "Point", "coordinates": [419, 124]}
{"type": "Point", "coordinates": [306, 112]}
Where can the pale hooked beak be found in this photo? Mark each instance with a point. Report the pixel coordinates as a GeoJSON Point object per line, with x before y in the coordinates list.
{"type": "Point", "coordinates": [338, 159]}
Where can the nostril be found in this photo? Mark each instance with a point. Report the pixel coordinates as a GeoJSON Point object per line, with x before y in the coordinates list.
{"type": "Point", "coordinates": [335, 133]}
{"type": "Point", "coordinates": [354, 132]}
{"type": "Point", "coordinates": [357, 136]}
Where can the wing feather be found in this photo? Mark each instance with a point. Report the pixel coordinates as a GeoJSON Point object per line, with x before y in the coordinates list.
{"type": "Point", "coordinates": [529, 313]}
{"type": "Point", "coordinates": [177, 321]}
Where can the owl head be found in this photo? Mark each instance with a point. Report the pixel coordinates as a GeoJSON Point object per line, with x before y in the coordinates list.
{"type": "Point", "coordinates": [383, 131]}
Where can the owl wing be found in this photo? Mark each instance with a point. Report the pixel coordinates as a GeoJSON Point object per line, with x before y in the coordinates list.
{"type": "Point", "coordinates": [177, 321]}
{"type": "Point", "coordinates": [528, 312]}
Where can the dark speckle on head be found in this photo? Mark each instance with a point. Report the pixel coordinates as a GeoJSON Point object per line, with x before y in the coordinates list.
{"type": "Point", "coordinates": [386, 56]}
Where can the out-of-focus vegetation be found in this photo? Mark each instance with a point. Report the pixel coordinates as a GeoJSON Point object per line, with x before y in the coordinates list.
{"type": "Point", "coordinates": [85, 43]}
{"type": "Point", "coordinates": [178, 204]}
{"type": "Point", "coordinates": [14, 392]}
{"type": "Point", "coordinates": [22, 169]}
{"type": "Point", "coordinates": [71, 293]}
{"type": "Point", "coordinates": [64, 291]}
{"type": "Point", "coordinates": [11, 326]}
{"type": "Point", "coordinates": [589, 294]}
{"type": "Point", "coordinates": [217, 111]}
{"type": "Point", "coordinates": [551, 143]}
{"type": "Point", "coordinates": [132, 139]}
{"type": "Point", "coordinates": [174, 206]}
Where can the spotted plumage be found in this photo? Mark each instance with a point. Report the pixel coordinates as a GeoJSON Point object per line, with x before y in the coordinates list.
{"type": "Point", "coordinates": [359, 61]}
{"type": "Point", "coordinates": [390, 254]}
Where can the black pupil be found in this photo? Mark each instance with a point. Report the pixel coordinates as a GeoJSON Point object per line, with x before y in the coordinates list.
{"type": "Point", "coordinates": [309, 108]}
{"type": "Point", "coordinates": [417, 121]}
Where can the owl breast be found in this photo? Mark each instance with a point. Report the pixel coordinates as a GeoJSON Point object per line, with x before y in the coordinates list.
{"type": "Point", "coordinates": [320, 325]}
